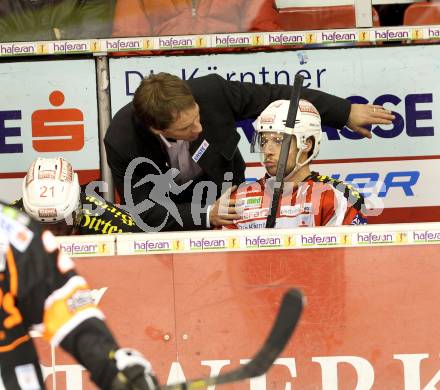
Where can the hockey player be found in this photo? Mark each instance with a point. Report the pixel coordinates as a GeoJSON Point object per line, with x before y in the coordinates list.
{"type": "Point", "coordinates": [308, 199]}
{"type": "Point", "coordinates": [39, 285]}
{"type": "Point", "coordinates": [52, 196]}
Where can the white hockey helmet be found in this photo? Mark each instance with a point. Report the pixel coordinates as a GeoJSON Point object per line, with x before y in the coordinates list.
{"type": "Point", "coordinates": [51, 192]}
{"type": "Point", "coordinates": [307, 125]}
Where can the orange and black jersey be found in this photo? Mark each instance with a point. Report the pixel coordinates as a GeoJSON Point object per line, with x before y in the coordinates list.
{"type": "Point", "coordinates": [317, 201]}
{"type": "Point", "coordinates": [99, 217]}
{"type": "Point", "coordinates": [39, 286]}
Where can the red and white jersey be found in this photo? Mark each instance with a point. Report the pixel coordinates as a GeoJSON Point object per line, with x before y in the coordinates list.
{"type": "Point", "coordinates": [317, 201]}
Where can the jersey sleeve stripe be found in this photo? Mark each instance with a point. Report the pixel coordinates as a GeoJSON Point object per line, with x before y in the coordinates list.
{"type": "Point", "coordinates": [58, 336]}
{"type": "Point", "coordinates": [13, 282]}
{"type": "Point", "coordinates": [67, 310]}
{"type": "Point", "coordinates": [341, 207]}
{"type": "Point", "coordinates": [14, 344]}
{"type": "Point", "coordinates": [64, 309]}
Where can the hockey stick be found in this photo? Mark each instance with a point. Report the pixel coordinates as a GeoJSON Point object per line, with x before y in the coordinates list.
{"type": "Point", "coordinates": [287, 318]}
{"type": "Point", "coordinates": [285, 147]}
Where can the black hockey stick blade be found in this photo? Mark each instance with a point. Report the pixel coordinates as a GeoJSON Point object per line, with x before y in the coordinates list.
{"type": "Point", "coordinates": [284, 152]}
{"type": "Point", "coordinates": [285, 323]}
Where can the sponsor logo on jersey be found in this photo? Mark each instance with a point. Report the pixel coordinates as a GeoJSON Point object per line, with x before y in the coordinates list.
{"type": "Point", "coordinates": [301, 220]}
{"type": "Point", "coordinates": [80, 299]}
{"type": "Point", "coordinates": [252, 224]}
{"type": "Point", "coordinates": [308, 208]}
{"type": "Point", "coordinates": [252, 202]}
{"type": "Point", "coordinates": [290, 211]}
{"type": "Point", "coordinates": [252, 214]}
{"type": "Point", "coordinates": [13, 230]}
{"type": "Point", "coordinates": [359, 220]}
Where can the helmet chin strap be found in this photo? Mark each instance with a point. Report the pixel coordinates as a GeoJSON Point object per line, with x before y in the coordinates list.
{"type": "Point", "coordinates": [298, 165]}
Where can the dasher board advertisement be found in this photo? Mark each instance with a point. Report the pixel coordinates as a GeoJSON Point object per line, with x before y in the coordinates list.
{"type": "Point", "coordinates": [388, 76]}
{"type": "Point", "coordinates": [47, 109]}
{"type": "Point", "coordinates": [364, 325]}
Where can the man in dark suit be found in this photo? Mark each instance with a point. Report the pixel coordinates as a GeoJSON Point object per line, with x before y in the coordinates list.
{"type": "Point", "coordinates": [174, 149]}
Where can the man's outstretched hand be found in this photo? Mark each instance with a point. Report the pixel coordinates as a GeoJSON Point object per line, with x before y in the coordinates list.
{"type": "Point", "coordinates": [368, 114]}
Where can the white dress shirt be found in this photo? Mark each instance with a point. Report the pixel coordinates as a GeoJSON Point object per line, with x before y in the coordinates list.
{"type": "Point", "coordinates": [180, 158]}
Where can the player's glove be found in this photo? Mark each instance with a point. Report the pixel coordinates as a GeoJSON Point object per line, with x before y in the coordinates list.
{"type": "Point", "coordinates": [134, 371]}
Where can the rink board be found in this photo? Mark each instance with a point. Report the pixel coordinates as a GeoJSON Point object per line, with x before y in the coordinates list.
{"type": "Point", "coordinates": [194, 314]}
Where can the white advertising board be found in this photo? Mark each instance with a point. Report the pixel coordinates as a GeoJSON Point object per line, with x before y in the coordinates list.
{"type": "Point", "coordinates": [407, 183]}
{"type": "Point", "coordinates": [49, 109]}
{"type": "Point", "coordinates": [390, 76]}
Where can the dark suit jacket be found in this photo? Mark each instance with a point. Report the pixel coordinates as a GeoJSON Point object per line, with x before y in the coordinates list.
{"type": "Point", "coordinates": [221, 103]}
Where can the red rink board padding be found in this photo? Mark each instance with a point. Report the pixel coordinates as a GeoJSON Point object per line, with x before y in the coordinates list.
{"type": "Point", "coordinates": [373, 310]}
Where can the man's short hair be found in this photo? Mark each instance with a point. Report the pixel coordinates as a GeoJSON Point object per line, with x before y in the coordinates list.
{"type": "Point", "coordinates": [160, 98]}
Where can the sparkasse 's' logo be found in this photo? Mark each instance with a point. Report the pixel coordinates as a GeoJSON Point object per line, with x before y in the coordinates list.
{"type": "Point", "coordinates": [53, 130]}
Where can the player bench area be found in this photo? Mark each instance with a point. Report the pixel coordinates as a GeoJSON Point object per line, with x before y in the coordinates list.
{"type": "Point", "coordinates": [201, 304]}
